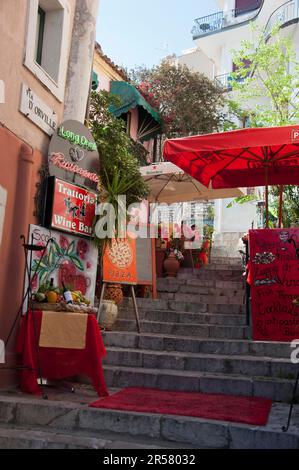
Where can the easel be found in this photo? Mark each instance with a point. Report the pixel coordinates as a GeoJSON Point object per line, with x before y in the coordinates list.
{"type": "Point", "coordinates": [27, 300]}
{"type": "Point", "coordinates": [134, 303]}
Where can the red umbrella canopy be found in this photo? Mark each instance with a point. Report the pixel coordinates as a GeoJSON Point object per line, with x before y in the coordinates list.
{"type": "Point", "coordinates": [242, 158]}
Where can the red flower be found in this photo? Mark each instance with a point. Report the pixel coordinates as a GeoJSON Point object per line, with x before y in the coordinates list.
{"type": "Point", "coordinates": [63, 242]}
{"type": "Point", "coordinates": [82, 248]}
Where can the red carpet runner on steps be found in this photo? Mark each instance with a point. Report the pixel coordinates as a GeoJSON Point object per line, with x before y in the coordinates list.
{"type": "Point", "coordinates": [237, 409]}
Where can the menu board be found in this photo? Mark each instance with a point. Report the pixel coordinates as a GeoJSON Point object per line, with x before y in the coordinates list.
{"type": "Point", "coordinates": [119, 262]}
{"type": "Point", "coordinates": [274, 280]}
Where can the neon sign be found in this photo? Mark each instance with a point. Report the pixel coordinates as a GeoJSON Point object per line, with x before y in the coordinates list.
{"type": "Point", "coordinates": [58, 160]}
{"type": "Point", "coordinates": [77, 139]}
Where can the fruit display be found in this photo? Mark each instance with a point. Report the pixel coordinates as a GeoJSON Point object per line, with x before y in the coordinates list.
{"type": "Point", "coordinates": [54, 295]}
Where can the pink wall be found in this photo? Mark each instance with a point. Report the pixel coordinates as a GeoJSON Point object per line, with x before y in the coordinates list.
{"type": "Point", "coordinates": [134, 123]}
{"type": "Point", "coordinates": [19, 166]}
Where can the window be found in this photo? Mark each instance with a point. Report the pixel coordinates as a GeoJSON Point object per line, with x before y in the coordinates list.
{"type": "Point", "coordinates": [47, 43]}
{"type": "Point", "coordinates": [40, 31]}
{"type": "Point", "coordinates": [246, 6]}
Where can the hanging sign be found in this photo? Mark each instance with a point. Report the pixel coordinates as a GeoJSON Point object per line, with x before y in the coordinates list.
{"type": "Point", "coordinates": [70, 208]}
{"type": "Point", "coordinates": [119, 262]}
{"type": "Point", "coordinates": [274, 280]}
{"type": "Point", "coordinates": [73, 155]}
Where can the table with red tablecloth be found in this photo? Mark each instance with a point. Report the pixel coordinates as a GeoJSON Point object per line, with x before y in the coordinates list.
{"type": "Point", "coordinates": [59, 363]}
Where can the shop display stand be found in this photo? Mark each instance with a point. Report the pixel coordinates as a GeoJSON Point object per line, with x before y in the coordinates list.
{"type": "Point", "coordinates": [27, 301]}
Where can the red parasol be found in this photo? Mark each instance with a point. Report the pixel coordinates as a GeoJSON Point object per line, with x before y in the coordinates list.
{"type": "Point", "coordinates": [242, 158]}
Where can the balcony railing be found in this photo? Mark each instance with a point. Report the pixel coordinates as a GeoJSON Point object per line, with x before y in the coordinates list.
{"type": "Point", "coordinates": [225, 81]}
{"type": "Point", "coordinates": [220, 20]}
{"type": "Point", "coordinates": [286, 13]}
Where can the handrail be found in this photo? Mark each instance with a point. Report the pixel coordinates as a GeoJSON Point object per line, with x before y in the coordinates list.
{"type": "Point", "coordinates": [287, 12]}
{"type": "Point", "coordinates": [218, 21]}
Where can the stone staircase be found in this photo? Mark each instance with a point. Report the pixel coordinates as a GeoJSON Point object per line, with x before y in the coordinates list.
{"type": "Point", "coordinates": [193, 338]}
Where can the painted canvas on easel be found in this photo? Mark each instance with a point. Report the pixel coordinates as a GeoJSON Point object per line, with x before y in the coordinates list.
{"type": "Point", "coordinates": [69, 259]}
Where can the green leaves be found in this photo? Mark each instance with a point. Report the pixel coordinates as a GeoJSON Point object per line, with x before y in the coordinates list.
{"type": "Point", "coordinates": [189, 102]}
{"type": "Point", "coordinates": [52, 260]}
{"type": "Point", "coordinates": [267, 70]}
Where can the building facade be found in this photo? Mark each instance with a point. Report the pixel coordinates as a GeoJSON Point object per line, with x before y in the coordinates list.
{"type": "Point", "coordinates": [215, 37]}
{"type": "Point", "coordinates": [142, 121]}
{"type": "Point", "coordinates": [45, 68]}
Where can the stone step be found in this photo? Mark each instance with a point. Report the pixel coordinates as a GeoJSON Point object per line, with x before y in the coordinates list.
{"type": "Point", "coordinates": [215, 259]}
{"type": "Point", "coordinates": [277, 389]}
{"type": "Point", "coordinates": [184, 329]}
{"type": "Point", "coordinates": [176, 288]}
{"type": "Point", "coordinates": [184, 317]}
{"type": "Point", "coordinates": [183, 306]}
{"type": "Point", "coordinates": [226, 275]}
{"type": "Point", "coordinates": [175, 431]}
{"type": "Point", "coordinates": [203, 298]}
{"type": "Point", "coordinates": [167, 281]}
{"type": "Point", "coordinates": [201, 362]}
{"type": "Point", "coordinates": [38, 437]}
{"type": "Point", "coordinates": [233, 269]}
{"type": "Point", "coordinates": [159, 342]}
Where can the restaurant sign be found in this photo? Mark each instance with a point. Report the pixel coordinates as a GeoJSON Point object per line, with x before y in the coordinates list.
{"type": "Point", "coordinates": [73, 155]}
{"type": "Point", "coordinates": [69, 207]}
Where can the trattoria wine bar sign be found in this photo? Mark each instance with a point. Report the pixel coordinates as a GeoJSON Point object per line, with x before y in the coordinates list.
{"type": "Point", "coordinates": [70, 208]}
{"type": "Point", "coordinates": [73, 155]}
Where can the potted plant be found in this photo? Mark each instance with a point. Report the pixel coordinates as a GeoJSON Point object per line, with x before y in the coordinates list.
{"type": "Point", "coordinates": [174, 257]}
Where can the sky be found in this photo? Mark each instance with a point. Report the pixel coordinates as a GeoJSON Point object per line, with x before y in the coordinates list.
{"type": "Point", "coordinates": [142, 32]}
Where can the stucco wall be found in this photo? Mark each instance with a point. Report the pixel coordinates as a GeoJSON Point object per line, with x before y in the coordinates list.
{"type": "Point", "coordinates": [13, 23]}
{"type": "Point", "coordinates": [18, 179]}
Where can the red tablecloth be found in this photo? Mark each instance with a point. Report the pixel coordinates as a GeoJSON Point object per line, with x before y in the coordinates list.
{"type": "Point", "coordinates": [58, 363]}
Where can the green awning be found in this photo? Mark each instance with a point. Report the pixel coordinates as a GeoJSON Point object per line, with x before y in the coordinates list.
{"type": "Point", "coordinates": [150, 121]}
{"type": "Point", "coordinates": [131, 98]}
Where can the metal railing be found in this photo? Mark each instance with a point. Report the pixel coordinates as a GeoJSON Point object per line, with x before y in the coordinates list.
{"type": "Point", "coordinates": [286, 13]}
{"type": "Point", "coordinates": [225, 81]}
{"type": "Point", "coordinates": [208, 24]}
{"type": "Point", "coordinates": [218, 21]}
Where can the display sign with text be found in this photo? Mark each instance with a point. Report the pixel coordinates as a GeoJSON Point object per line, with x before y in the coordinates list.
{"type": "Point", "coordinates": [119, 262]}
{"type": "Point", "coordinates": [69, 207]}
{"type": "Point", "coordinates": [73, 155]}
{"type": "Point", "coordinates": [274, 280]}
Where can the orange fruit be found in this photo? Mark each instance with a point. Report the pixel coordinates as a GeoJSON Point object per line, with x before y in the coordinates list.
{"type": "Point", "coordinates": [52, 297]}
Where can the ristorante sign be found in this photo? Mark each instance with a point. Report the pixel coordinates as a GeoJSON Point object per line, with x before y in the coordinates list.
{"type": "Point", "coordinates": [69, 207]}
{"type": "Point", "coordinates": [73, 155]}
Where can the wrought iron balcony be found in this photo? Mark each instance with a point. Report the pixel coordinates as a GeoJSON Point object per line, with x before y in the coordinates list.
{"type": "Point", "coordinates": [220, 20]}
{"type": "Point", "coordinates": [225, 81]}
{"type": "Point", "coordinates": [285, 14]}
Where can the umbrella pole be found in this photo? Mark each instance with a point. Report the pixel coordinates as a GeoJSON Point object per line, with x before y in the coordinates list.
{"type": "Point", "coordinates": [267, 197]}
{"type": "Point", "coordinates": [280, 206]}
{"type": "Point", "coordinates": [267, 206]}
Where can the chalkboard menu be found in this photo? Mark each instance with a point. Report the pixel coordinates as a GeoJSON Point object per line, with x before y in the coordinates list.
{"type": "Point", "coordinates": [274, 280]}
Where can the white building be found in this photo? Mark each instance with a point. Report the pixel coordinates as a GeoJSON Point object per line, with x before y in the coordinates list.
{"type": "Point", "coordinates": [215, 36]}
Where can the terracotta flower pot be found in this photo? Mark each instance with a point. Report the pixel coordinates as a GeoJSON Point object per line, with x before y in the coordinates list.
{"type": "Point", "coordinates": [114, 292]}
{"type": "Point", "coordinates": [171, 265]}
